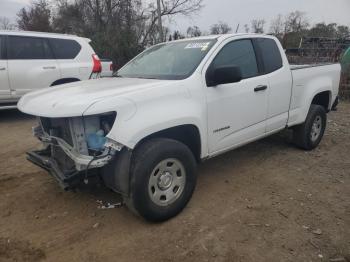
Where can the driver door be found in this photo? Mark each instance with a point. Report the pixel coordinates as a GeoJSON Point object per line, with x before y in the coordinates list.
{"type": "Point", "coordinates": [237, 112]}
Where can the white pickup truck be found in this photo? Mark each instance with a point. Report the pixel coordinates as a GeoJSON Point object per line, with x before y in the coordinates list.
{"type": "Point", "coordinates": [173, 106]}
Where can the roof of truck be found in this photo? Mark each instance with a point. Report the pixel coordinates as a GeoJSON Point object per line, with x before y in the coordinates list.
{"type": "Point", "coordinates": [222, 36]}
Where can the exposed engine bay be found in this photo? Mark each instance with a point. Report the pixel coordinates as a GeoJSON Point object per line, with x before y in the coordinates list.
{"type": "Point", "coordinates": [76, 144]}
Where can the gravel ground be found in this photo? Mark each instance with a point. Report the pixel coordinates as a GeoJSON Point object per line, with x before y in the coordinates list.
{"type": "Point", "coordinates": [267, 201]}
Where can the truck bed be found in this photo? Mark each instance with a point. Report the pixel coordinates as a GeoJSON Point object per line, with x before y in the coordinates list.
{"type": "Point", "coordinates": [308, 79]}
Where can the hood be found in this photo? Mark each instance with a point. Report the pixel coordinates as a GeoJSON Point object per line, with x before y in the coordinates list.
{"type": "Point", "coordinates": [73, 99]}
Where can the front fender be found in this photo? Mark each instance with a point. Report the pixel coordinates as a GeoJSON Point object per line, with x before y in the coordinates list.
{"type": "Point", "coordinates": [157, 114]}
{"type": "Point", "coordinates": [149, 120]}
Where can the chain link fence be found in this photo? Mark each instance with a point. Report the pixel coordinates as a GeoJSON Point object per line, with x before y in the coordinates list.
{"type": "Point", "coordinates": [324, 50]}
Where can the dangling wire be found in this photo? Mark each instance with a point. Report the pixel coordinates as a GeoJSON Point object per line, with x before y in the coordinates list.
{"type": "Point", "coordinates": [86, 180]}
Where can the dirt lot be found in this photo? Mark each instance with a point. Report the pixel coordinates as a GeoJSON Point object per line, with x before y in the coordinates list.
{"type": "Point", "coordinates": [267, 201]}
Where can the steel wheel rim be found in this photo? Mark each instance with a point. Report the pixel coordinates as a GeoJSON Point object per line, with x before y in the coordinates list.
{"type": "Point", "coordinates": [316, 128]}
{"type": "Point", "coordinates": [167, 182]}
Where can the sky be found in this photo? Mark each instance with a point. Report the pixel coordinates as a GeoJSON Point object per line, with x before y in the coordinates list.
{"type": "Point", "coordinates": [9, 8]}
{"type": "Point", "coordinates": [241, 12]}
{"type": "Point", "coordinates": [236, 12]}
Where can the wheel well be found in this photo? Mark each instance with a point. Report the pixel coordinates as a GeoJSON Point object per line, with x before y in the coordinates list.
{"type": "Point", "coordinates": [186, 134]}
{"type": "Point", "coordinates": [322, 99]}
{"type": "Point", "coordinates": [64, 81]}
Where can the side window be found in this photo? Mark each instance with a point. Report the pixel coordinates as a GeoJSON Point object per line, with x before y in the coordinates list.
{"type": "Point", "coordinates": [22, 47]}
{"type": "Point", "coordinates": [270, 54]}
{"type": "Point", "coordinates": [238, 53]}
{"type": "Point", "coordinates": [64, 48]}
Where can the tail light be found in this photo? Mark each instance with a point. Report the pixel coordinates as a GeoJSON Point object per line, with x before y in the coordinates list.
{"type": "Point", "coordinates": [111, 67]}
{"type": "Point", "coordinates": [97, 67]}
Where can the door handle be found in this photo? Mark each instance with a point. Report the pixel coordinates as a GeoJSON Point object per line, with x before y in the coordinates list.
{"type": "Point", "coordinates": [2, 68]}
{"type": "Point", "coordinates": [49, 67]}
{"type": "Point", "coordinates": [260, 88]}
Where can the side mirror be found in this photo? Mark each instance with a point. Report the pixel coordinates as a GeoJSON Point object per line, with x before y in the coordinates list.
{"type": "Point", "coordinates": [224, 75]}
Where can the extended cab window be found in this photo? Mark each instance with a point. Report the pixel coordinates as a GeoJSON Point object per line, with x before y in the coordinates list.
{"type": "Point", "coordinates": [238, 53]}
{"type": "Point", "coordinates": [64, 48]}
{"type": "Point", "coordinates": [271, 55]}
{"type": "Point", "coordinates": [22, 47]}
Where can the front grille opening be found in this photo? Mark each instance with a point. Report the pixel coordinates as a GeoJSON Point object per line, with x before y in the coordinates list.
{"type": "Point", "coordinates": [58, 127]}
{"type": "Point", "coordinates": [87, 135]}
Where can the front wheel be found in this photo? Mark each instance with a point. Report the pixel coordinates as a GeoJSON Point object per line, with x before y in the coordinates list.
{"type": "Point", "coordinates": [163, 179]}
{"type": "Point", "coordinates": [310, 133]}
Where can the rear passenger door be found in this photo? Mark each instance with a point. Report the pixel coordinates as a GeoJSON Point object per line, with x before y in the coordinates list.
{"type": "Point", "coordinates": [279, 77]}
{"type": "Point", "coordinates": [31, 64]}
{"type": "Point", "coordinates": [5, 92]}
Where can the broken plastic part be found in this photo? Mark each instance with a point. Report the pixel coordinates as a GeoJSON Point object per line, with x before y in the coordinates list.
{"type": "Point", "coordinates": [108, 205]}
{"type": "Point", "coordinates": [114, 145]}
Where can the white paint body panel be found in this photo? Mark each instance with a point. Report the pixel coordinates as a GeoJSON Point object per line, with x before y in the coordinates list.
{"type": "Point", "coordinates": [107, 68]}
{"type": "Point", "coordinates": [5, 91]}
{"type": "Point", "coordinates": [307, 82]}
{"type": "Point", "coordinates": [146, 106]}
{"type": "Point", "coordinates": [29, 75]}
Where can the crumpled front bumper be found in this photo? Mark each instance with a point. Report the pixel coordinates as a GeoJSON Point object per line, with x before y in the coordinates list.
{"type": "Point", "coordinates": [67, 180]}
{"type": "Point", "coordinates": [115, 174]}
{"type": "Point", "coordinates": [82, 162]}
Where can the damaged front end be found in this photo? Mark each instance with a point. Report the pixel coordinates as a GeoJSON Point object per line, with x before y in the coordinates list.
{"type": "Point", "coordinates": [73, 146]}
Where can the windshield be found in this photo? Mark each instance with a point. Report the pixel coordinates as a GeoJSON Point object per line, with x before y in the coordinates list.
{"type": "Point", "coordinates": [170, 61]}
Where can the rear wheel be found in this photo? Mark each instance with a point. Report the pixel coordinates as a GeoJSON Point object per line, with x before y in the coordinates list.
{"type": "Point", "coordinates": [310, 133]}
{"type": "Point", "coordinates": [163, 179]}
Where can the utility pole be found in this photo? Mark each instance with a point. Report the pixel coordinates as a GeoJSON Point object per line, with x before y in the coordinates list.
{"type": "Point", "coordinates": [160, 26]}
{"type": "Point", "coordinates": [237, 28]}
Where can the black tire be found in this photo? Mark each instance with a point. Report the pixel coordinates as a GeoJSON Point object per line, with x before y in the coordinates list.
{"type": "Point", "coordinates": [146, 158]}
{"type": "Point", "coordinates": [302, 134]}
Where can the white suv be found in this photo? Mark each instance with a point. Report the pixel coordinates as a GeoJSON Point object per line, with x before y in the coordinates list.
{"type": "Point", "coordinates": [31, 61]}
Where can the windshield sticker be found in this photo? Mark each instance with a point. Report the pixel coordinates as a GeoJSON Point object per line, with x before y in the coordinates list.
{"type": "Point", "coordinates": [199, 45]}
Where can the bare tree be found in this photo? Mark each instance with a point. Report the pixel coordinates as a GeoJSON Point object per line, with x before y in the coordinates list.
{"type": "Point", "coordinates": [258, 26]}
{"type": "Point", "coordinates": [277, 26]}
{"type": "Point", "coordinates": [160, 26]}
{"type": "Point", "coordinates": [194, 31]}
{"type": "Point", "coordinates": [220, 28]}
{"type": "Point", "coordinates": [177, 35]}
{"type": "Point", "coordinates": [324, 30]}
{"type": "Point", "coordinates": [119, 28]}
{"type": "Point", "coordinates": [5, 24]}
{"type": "Point", "coordinates": [168, 8]}
{"type": "Point", "coordinates": [246, 28]}
{"type": "Point", "coordinates": [296, 22]}
{"type": "Point", "coordinates": [343, 31]}
{"type": "Point", "coordinates": [36, 17]}
{"type": "Point", "coordinates": [295, 27]}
